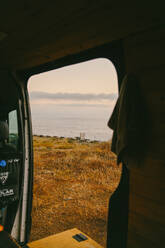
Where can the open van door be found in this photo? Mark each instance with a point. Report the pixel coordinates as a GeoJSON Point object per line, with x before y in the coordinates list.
{"type": "Point", "coordinates": [15, 151]}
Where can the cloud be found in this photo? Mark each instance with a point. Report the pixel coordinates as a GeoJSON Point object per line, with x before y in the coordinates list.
{"type": "Point", "coordinates": [38, 95]}
{"type": "Point", "coordinates": [75, 105]}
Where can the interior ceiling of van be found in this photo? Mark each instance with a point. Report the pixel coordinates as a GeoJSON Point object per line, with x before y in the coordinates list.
{"type": "Point", "coordinates": [33, 33]}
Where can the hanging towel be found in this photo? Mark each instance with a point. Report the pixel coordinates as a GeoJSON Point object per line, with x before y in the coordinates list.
{"type": "Point", "coordinates": [127, 121]}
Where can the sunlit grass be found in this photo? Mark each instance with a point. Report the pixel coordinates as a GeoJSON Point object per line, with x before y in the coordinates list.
{"type": "Point", "coordinates": [72, 184]}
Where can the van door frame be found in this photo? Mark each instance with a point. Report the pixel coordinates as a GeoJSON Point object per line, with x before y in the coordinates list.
{"type": "Point", "coordinates": [114, 52]}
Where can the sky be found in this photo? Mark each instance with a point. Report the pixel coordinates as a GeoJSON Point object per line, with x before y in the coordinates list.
{"type": "Point", "coordinates": [89, 83]}
{"type": "Point", "coordinates": [74, 99]}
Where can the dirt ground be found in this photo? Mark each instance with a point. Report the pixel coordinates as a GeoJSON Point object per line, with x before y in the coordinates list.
{"type": "Point", "coordinates": [73, 181]}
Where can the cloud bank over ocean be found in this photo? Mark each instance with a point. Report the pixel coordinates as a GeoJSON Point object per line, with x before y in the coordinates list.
{"type": "Point", "coordinates": [73, 97]}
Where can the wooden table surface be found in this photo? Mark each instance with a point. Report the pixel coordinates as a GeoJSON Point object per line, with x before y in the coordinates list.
{"type": "Point", "coordinates": [64, 240]}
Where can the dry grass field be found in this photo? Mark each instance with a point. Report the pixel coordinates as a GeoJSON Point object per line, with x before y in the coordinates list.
{"type": "Point", "coordinates": [72, 184]}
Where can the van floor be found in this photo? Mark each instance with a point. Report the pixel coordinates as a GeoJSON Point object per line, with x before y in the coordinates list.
{"type": "Point", "coordinates": [73, 181]}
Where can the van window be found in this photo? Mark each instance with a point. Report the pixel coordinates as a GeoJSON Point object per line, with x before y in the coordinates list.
{"type": "Point", "coordinates": [13, 127]}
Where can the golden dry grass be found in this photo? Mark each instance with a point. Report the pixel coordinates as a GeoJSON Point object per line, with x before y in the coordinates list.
{"type": "Point", "coordinates": [72, 185]}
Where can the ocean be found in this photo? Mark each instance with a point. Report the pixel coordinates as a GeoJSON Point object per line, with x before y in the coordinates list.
{"type": "Point", "coordinates": [70, 121]}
